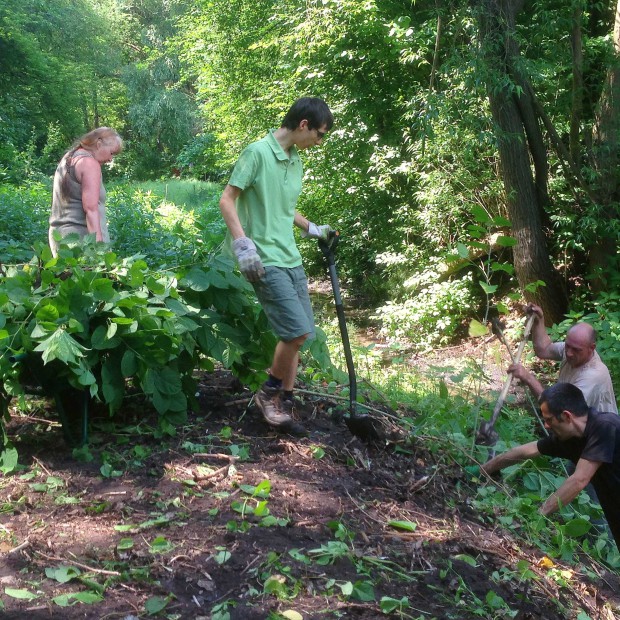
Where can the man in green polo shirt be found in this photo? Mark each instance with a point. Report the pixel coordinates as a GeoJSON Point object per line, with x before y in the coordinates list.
{"type": "Point", "coordinates": [259, 208]}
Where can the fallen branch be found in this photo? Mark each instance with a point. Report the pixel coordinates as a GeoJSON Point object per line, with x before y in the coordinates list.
{"type": "Point", "coordinates": [38, 462]}
{"type": "Point", "coordinates": [25, 544]}
{"type": "Point", "coordinates": [99, 571]}
{"type": "Point", "coordinates": [346, 399]}
{"type": "Point", "coordinates": [213, 474]}
{"type": "Point", "coordinates": [216, 455]}
{"type": "Point", "coordinates": [241, 401]}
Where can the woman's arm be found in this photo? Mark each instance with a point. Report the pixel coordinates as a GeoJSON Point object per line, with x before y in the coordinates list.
{"type": "Point", "coordinates": [88, 173]}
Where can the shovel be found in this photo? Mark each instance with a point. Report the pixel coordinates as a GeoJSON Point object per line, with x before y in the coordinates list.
{"type": "Point", "coordinates": [360, 425]}
{"type": "Point", "coordinates": [487, 435]}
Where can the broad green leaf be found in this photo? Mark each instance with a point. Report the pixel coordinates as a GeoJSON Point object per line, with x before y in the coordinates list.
{"type": "Point", "coordinates": [462, 250]}
{"type": "Point", "coordinates": [124, 544]}
{"type": "Point", "coordinates": [47, 313]}
{"type": "Point", "coordinates": [506, 242]}
{"type": "Point", "coordinates": [468, 559]}
{"type": "Point", "coordinates": [505, 267]}
{"type": "Point", "coordinates": [477, 329]}
{"type": "Point", "coordinates": [176, 306]}
{"type": "Point", "coordinates": [363, 591]}
{"type": "Point", "coordinates": [156, 604]}
{"type": "Point", "coordinates": [489, 289]}
{"type": "Point", "coordinates": [62, 574]}
{"type": "Point", "coordinates": [129, 364]}
{"type": "Point", "coordinates": [61, 346]}
{"type": "Point", "coordinates": [161, 545]}
{"type": "Point", "coordinates": [103, 289]}
{"type": "Point", "coordinates": [577, 527]}
{"type": "Point", "coordinates": [222, 557]}
{"type": "Point", "coordinates": [18, 289]}
{"type": "Point", "coordinates": [500, 221]}
{"type": "Point", "coordinates": [113, 383]}
{"type": "Point", "coordinates": [480, 215]}
{"type": "Point", "coordinates": [389, 604]}
{"type": "Point", "coordinates": [8, 459]}
{"type": "Point", "coordinates": [25, 595]}
{"type": "Point", "coordinates": [112, 329]}
{"type": "Point", "coordinates": [167, 381]}
{"type": "Point", "coordinates": [408, 526]}
{"type": "Point", "coordinates": [123, 321]}
{"type": "Point", "coordinates": [291, 614]}
{"type": "Point", "coordinates": [263, 488]}
{"type": "Point", "coordinates": [64, 600]}
{"type": "Point", "coordinates": [88, 598]}
{"type": "Point", "coordinates": [346, 588]}
{"type": "Point", "coordinates": [197, 280]}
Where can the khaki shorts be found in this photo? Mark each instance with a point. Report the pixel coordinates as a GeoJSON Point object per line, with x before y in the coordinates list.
{"type": "Point", "coordinates": [283, 294]}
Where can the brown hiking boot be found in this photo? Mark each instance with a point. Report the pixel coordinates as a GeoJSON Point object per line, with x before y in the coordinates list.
{"type": "Point", "coordinates": [288, 406]}
{"type": "Point", "coordinates": [268, 401]}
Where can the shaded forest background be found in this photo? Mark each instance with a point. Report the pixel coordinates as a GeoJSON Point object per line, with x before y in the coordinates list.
{"type": "Point", "coordinates": [473, 160]}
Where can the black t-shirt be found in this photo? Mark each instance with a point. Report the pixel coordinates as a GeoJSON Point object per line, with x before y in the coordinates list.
{"type": "Point", "coordinates": [600, 443]}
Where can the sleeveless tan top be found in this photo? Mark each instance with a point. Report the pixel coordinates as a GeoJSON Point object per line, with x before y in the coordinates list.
{"type": "Point", "coordinates": [68, 214]}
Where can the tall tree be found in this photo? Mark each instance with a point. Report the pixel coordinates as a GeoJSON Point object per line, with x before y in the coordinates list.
{"type": "Point", "coordinates": [520, 143]}
{"type": "Point", "coordinates": [606, 161]}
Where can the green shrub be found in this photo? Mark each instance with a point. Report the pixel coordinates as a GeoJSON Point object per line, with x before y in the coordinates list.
{"type": "Point", "coordinates": [92, 322]}
{"type": "Point", "coordinates": [432, 317]}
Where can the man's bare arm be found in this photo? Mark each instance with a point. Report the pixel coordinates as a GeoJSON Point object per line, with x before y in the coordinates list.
{"type": "Point", "coordinates": [540, 338]}
{"type": "Point", "coordinates": [229, 211]}
{"type": "Point", "coordinates": [571, 487]}
{"type": "Point", "coordinates": [512, 456]}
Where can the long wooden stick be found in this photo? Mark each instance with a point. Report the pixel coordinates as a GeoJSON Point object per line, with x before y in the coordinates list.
{"type": "Point", "coordinates": [517, 360]}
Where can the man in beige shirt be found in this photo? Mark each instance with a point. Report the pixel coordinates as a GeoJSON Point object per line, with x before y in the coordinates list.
{"type": "Point", "coordinates": [581, 365]}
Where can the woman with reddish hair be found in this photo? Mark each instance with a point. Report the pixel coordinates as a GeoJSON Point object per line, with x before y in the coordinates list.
{"type": "Point", "coordinates": [78, 199]}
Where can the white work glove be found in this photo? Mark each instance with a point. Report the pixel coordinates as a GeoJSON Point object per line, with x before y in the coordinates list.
{"type": "Point", "coordinates": [317, 232]}
{"type": "Point", "coordinates": [249, 261]}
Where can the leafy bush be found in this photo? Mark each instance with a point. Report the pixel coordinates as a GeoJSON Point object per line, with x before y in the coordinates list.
{"type": "Point", "coordinates": [432, 317]}
{"type": "Point", "coordinates": [141, 222]}
{"type": "Point", "coordinates": [24, 214]}
{"type": "Point", "coordinates": [199, 158]}
{"type": "Point", "coordinates": [90, 322]}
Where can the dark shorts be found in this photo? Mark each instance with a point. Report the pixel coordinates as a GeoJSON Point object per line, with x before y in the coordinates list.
{"type": "Point", "coordinates": [283, 294]}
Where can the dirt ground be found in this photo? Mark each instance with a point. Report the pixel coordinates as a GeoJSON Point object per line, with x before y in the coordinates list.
{"type": "Point", "coordinates": [187, 525]}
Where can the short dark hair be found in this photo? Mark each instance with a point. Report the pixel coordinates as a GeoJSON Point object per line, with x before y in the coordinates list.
{"type": "Point", "coordinates": [312, 109]}
{"type": "Point", "coordinates": [564, 397]}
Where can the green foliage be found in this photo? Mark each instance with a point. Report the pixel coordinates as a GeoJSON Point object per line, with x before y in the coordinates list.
{"type": "Point", "coordinates": [161, 117]}
{"type": "Point", "coordinates": [198, 159]}
{"type": "Point", "coordinates": [49, 77]}
{"type": "Point", "coordinates": [24, 213]}
{"type": "Point", "coordinates": [433, 317]}
{"type": "Point", "coordinates": [93, 322]}
{"type": "Point", "coordinates": [164, 233]}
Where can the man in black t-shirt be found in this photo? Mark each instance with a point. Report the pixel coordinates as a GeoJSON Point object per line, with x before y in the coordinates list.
{"type": "Point", "coordinates": [588, 438]}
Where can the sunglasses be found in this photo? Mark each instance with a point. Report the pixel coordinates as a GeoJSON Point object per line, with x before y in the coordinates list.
{"type": "Point", "coordinates": [320, 134]}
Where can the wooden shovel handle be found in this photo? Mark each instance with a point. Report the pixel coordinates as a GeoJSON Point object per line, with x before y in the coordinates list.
{"type": "Point", "coordinates": [517, 360]}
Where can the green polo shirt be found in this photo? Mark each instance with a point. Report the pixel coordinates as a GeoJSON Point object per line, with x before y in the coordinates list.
{"type": "Point", "coordinates": [270, 181]}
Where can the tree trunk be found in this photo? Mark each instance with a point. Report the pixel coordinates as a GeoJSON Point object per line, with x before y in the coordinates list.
{"type": "Point", "coordinates": [606, 159]}
{"type": "Point", "coordinates": [519, 143]}
{"type": "Point", "coordinates": [577, 95]}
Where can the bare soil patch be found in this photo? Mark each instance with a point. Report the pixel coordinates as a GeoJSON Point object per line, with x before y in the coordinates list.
{"type": "Point", "coordinates": [174, 518]}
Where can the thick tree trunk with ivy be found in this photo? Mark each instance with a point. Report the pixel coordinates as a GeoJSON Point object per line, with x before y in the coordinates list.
{"type": "Point", "coordinates": [606, 161]}
{"type": "Point", "coordinates": [520, 144]}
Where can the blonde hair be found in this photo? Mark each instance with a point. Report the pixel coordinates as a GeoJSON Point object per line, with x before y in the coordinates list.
{"type": "Point", "coordinates": [89, 140]}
